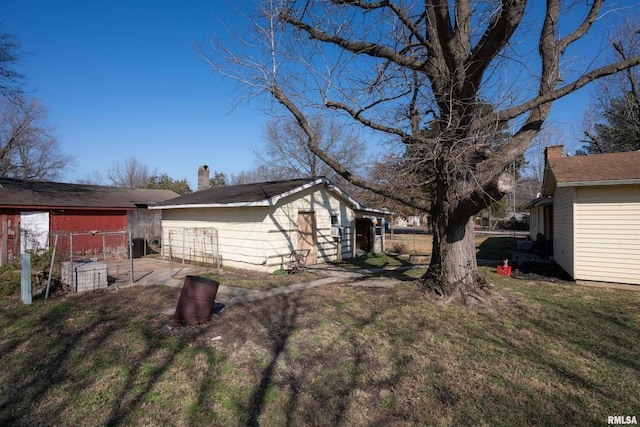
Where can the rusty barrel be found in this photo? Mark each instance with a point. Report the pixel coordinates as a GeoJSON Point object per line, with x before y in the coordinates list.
{"type": "Point", "coordinates": [196, 300]}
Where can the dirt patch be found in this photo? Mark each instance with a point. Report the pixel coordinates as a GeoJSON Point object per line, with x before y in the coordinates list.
{"type": "Point", "coordinates": [544, 272]}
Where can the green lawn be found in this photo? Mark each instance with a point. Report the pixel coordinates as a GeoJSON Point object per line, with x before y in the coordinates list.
{"type": "Point", "coordinates": [549, 355]}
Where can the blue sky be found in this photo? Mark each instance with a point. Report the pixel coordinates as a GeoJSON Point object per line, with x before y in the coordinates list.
{"type": "Point", "coordinates": [122, 78]}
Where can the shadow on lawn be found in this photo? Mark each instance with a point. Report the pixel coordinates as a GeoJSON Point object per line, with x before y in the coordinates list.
{"type": "Point", "coordinates": [496, 248]}
{"type": "Point", "coordinates": [92, 350]}
{"type": "Point", "coordinates": [317, 380]}
{"type": "Point", "coordinates": [383, 265]}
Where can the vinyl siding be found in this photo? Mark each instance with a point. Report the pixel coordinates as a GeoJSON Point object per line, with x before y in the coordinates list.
{"type": "Point", "coordinates": [260, 238]}
{"type": "Point", "coordinates": [608, 234]}
{"type": "Point", "coordinates": [563, 234]}
{"type": "Point", "coordinates": [241, 233]}
{"type": "Point", "coordinates": [324, 204]}
{"type": "Point", "coordinates": [536, 221]}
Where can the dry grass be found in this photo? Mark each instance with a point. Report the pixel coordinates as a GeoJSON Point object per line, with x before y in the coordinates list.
{"type": "Point", "coordinates": [410, 243]}
{"type": "Point", "coordinates": [338, 355]}
{"type": "Point", "coordinates": [419, 242]}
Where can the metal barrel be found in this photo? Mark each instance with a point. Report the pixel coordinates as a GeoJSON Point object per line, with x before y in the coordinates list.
{"type": "Point", "coordinates": [196, 300]}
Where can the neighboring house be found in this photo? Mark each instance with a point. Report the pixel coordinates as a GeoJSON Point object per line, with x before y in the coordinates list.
{"type": "Point", "coordinates": [257, 226]}
{"type": "Point", "coordinates": [589, 215]}
{"type": "Point", "coordinates": [33, 212]}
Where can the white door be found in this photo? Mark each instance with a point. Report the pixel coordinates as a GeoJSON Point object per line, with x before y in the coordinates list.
{"type": "Point", "coordinates": [34, 231]}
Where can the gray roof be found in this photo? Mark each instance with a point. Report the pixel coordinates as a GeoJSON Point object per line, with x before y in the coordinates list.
{"type": "Point", "coordinates": [256, 194]}
{"type": "Point", "coordinates": [20, 193]}
{"type": "Point", "coordinates": [242, 194]}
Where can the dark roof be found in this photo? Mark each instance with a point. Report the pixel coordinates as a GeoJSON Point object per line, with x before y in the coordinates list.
{"type": "Point", "coordinates": [257, 194]}
{"type": "Point", "coordinates": [261, 193]}
{"type": "Point", "coordinates": [16, 192]}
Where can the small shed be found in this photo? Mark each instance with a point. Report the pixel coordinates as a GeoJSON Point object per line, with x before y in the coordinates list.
{"type": "Point", "coordinates": [257, 226]}
{"type": "Point", "coordinates": [590, 210]}
{"type": "Point", "coordinates": [32, 212]}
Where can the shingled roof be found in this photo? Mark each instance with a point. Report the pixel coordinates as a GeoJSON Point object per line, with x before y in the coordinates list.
{"type": "Point", "coordinates": [597, 169]}
{"type": "Point", "coordinates": [257, 194]}
{"type": "Point", "coordinates": [20, 193]}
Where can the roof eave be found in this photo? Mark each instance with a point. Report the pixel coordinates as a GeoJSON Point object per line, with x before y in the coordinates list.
{"type": "Point", "coordinates": [273, 200]}
{"type": "Point", "coordinates": [261, 203]}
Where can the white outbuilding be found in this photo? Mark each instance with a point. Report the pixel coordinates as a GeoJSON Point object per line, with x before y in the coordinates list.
{"type": "Point", "coordinates": [258, 226]}
{"type": "Point", "coordinates": [589, 210]}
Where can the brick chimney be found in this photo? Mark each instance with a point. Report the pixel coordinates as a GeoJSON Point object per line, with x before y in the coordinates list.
{"type": "Point", "coordinates": [554, 152]}
{"type": "Point", "coordinates": [203, 177]}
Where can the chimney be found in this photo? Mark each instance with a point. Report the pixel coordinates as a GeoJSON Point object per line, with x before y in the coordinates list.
{"type": "Point", "coordinates": [203, 177]}
{"type": "Point", "coordinates": [554, 152]}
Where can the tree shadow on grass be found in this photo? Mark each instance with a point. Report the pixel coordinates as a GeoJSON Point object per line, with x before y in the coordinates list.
{"type": "Point", "coordinates": [317, 380]}
{"type": "Point", "coordinates": [496, 248]}
{"type": "Point", "coordinates": [95, 350]}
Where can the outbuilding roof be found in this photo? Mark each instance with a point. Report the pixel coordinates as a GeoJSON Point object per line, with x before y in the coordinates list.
{"type": "Point", "coordinates": [256, 194]}
{"type": "Point", "coordinates": [21, 193]}
{"type": "Point", "coordinates": [596, 169]}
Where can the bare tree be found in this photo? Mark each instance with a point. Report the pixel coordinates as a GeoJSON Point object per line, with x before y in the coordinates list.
{"type": "Point", "coordinates": [286, 147]}
{"type": "Point", "coordinates": [9, 54]}
{"type": "Point", "coordinates": [260, 173]}
{"type": "Point", "coordinates": [28, 147]}
{"type": "Point", "coordinates": [613, 122]}
{"type": "Point", "coordinates": [421, 74]}
{"type": "Point", "coordinates": [130, 173]}
{"type": "Point", "coordinates": [94, 177]}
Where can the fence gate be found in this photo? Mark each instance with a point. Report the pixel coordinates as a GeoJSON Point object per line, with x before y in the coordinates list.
{"type": "Point", "coordinates": [196, 246]}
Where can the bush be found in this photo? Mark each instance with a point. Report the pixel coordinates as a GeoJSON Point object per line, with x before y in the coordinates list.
{"type": "Point", "coordinates": [10, 275]}
{"type": "Point", "coordinates": [398, 248]}
{"type": "Point", "coordinates": [9, 280]}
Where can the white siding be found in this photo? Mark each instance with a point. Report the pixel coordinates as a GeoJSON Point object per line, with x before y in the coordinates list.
{"type": "Point", "coordinates": [608, 234]}
{"type": "Point", "coordinates": [536, 221]}
{"type": "Point", "coordinates": [242, 232]}
{"type": "Point", "coordinates": [284, 235]}
{"type": "Point", "coordinates": [260, 238]}
{"type": "Point", "coordinates": [563, 234]}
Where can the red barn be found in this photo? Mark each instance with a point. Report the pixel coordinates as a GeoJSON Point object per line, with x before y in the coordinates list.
{"type": "Point", "coordinates": [32, 212]}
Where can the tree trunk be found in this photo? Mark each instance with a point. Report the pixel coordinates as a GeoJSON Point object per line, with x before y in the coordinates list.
{"type": "Point", "coordinates": [453, 271]}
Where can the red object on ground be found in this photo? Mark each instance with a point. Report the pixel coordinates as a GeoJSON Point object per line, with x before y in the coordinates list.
{"type": "Point", "coordinates": [504, 271]}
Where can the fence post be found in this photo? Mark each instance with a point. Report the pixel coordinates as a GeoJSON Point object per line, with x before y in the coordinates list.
{"type": "Point", "coordinates": [72, 270]}
{"type": "Point", "coordinates": [53, 257]}
{"type": "Point", "coordinates": [25, 282]}
{"type": "Point", "coordinates": [130, 255]}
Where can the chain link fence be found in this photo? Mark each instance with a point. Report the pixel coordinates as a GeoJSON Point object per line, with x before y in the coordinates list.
{"type": "Point", "coordinates": [83, 261]}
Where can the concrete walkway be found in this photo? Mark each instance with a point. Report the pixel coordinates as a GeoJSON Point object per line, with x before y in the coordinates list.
{"type": "Point", "coordinates": [151, 274]}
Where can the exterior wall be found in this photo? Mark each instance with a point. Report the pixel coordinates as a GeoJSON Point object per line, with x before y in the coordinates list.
{"type": "Point", "coordinates": [283, 237]}
{"type": "Point", "coordinates": [65, 221]}
{"type": "Point", "coordinates": [607, 234]}
{"type": "Point", "coordinates": [563, 232]}
{"type": "Point", "coordinates": [536, 221]}
{"type": "Point", "coordinates": [144, 223]}
{"type": "Point", "coordinates": [261, 238]}
{"type": "Point", "coordinates": [88, 220]}
{"type": "Point", "coordinates": [241, 234]}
